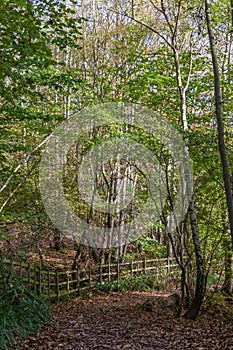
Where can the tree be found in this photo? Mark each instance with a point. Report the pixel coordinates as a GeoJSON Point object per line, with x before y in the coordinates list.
{"type": "Point", "coordinates": [29, 76]}
{"type": "Point", "coordinates": [220, 123]}
{"type": "Point", "coordinates": [36, 79]}
{"type": "Point", "coordinates": [175, 37]}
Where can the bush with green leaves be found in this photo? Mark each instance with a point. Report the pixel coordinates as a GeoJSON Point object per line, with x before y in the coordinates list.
{"type": "Point", "coordinates": [21, 310]}
{"type": "Point", "coordinates": [143, 282]}
{"type": "Point", "coordinates": [146, 247]}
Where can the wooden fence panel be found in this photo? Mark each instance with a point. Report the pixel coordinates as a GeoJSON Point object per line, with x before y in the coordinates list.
{"type": "Point", "coordinates": [59, 284]}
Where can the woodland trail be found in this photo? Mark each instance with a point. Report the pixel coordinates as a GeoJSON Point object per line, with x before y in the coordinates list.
{"type": "Point", "coordinates": [117, 321]}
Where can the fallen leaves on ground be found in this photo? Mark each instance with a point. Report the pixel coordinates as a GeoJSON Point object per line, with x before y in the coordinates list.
{"type": "Point", "coordinates": [117, 321]}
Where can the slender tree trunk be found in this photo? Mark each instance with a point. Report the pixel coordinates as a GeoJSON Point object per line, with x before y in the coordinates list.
{"type": "Point", "coordinates": [58, 240]}
{"type": "Point", "coordinates": [220, 124]}
{"type": "Point", "coordinates": [227, 285]}
{"type": "Point", "coordinates": [194, 309]}
{"type": "Point", "coordinates": [172, 41]}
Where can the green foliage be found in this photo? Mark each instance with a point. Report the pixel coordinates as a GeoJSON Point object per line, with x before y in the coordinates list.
{"type": "Point", "coordinates": [150, 246]}
{"type": "Point", "coordinates": [214, 278]}
{"type": "Point", "coordinates": [147, 247]}
{"type": "Point", "coordinates": [44, 74]}
{"type": "Point", "coordinates": [143, 282]}
{"type": "Point", "coordinates": [30, 31]}
{"type": "Point", "coordinates": [21, 311]}
{"type": "Point", "coordinates": [32, 75]}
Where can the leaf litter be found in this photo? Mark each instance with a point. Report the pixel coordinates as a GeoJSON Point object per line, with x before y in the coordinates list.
{"type": "Point", "coordinates": [117, 321]}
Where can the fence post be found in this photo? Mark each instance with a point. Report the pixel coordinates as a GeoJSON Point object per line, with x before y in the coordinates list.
{"type": "Point", "coordinates": [78, 280]}
{"type": "Point", "coordinates": [169, 263]}
{"type": "Point", "coordinates": [118, 271]}
{"type": "Point", "coordinates": [131, 268]}
{"type": "Point", "coordinates": [109, 271]}
{"type": "Point", "coordinates": [144, 265]}
{"type": "Point", "coordinates": [100, 273]}
{"type": "Point", "coordinates": [68, 284]}
{"type": "Point", "coordinates": [90, 278]}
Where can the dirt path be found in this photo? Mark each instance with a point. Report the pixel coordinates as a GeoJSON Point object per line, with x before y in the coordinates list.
{"type": "Point", "coordinates": [117, 321]}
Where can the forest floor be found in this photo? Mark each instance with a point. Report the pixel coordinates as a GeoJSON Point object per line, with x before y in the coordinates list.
{"type": "Point", "coordinates": [117, 321]}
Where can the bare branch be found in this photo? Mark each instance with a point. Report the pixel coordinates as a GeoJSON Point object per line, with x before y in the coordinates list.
{"type": "Point", "coordinates": [146, 26]}
{"type": "Point", "coordinates": [177, 21]}
{"type": "Point", "coordinates": [164, 12]}
{"type": "Point", "coordinates": [17, 187]}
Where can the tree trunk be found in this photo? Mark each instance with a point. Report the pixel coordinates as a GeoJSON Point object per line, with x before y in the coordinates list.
{"type": "Point", "coordinates": [227, 285]}
{"type": "Point", "coordinates": [220, 124]}
{"type": "Point", "coordinates": [194, 309]}
{"type": "Point", "coordinates": [172, 40]}
{"type": "Point", "coordinates": [58, 241]}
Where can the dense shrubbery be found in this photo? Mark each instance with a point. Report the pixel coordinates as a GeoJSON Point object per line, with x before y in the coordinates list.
{"type": "Point", "coordinates": [141, 283]}
{"type": "Point", "coordinates": [146, 246]}
{"type": "Point", "coordinates": [21, 310]}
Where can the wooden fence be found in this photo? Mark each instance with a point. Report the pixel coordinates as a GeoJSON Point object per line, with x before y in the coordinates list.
{"type": "Point", "coordinates": [58, 284]}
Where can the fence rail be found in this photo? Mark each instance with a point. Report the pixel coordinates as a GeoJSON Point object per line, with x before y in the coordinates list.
{"type": "Point", "coordinates": [59, 284]}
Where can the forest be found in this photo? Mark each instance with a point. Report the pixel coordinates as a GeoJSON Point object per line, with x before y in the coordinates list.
{"type": "Point", "coordinates": [116, 181]}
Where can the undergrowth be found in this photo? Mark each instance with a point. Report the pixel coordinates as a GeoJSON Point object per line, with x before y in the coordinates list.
{"type": "Point", "coordinates": [142, 282]}
{"type": "Point", "coordinates": [21, 310]}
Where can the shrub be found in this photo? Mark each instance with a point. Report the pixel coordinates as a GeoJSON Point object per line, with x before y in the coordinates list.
{"type": "Point", "coordinates": [21, 310]}
{"type": "Point", "coordinates": [141, 282]}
